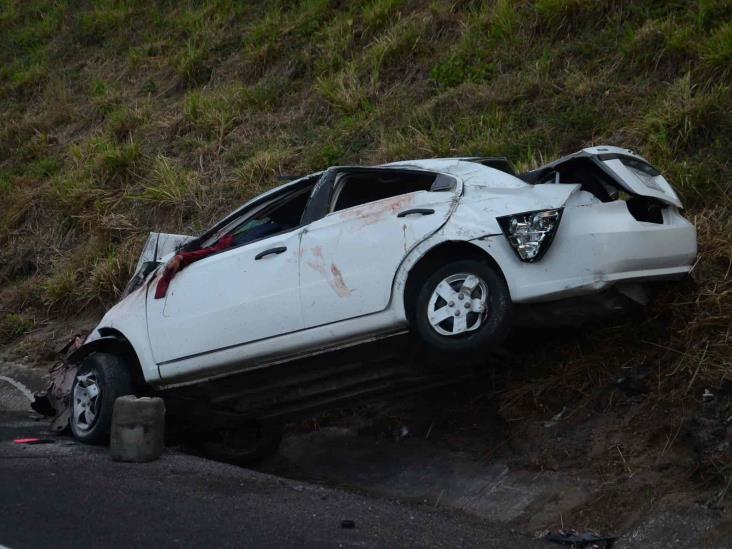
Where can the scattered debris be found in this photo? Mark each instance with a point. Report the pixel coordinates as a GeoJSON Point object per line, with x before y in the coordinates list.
{"type": "Point", "coordinates": [574, 539]}
{"type": "Point", "coordinates": [34, 441]}
{"type": "Point", "coordinates": [42, 404]}
{"type": "Point", "coordinates": [55, 400]}
{"type": "Point", "coordinates": [635, 382]}
{"type": "Point", "coordinates": [707, 430]}
{"type": "Point", "coordinates": [556, 419]}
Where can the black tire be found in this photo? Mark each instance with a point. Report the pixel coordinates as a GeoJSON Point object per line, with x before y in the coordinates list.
{"type": "Point", "coordinates": [492, 329]}
{"type": "Point", "coordinates": [244, 445]}
{"type": "Point", "coordinates": [111, 374]}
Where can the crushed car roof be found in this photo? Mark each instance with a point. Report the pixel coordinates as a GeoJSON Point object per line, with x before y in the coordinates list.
{"type": "Point", "coordinates": [467, 168]}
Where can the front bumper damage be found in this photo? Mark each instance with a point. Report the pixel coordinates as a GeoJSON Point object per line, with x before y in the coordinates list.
{"type": "Point", "coordinates": [55, 400]}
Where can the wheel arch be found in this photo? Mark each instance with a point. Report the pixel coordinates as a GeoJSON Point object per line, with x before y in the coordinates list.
{"type": "Point", "coordinates": [114, 342]}
{"type": "Point", "coordinates": [445, 252]}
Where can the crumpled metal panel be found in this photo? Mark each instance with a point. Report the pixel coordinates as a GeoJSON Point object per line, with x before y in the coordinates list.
{"type": "Point", "coordinates": [56, 399]}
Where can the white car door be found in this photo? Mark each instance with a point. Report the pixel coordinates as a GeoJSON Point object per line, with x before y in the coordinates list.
{"type": "Point", "coordinates": [349, 257]}
{"type": "Point", "coordinates": [245, 293]}
{"type": "Point", "coordinates": [226, 300]}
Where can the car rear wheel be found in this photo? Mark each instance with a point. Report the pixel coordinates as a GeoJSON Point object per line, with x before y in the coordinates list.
{"type": "Point", "coordinates": [99, 381]}
{"type": "Point", "coordinates": [243, 445]}
{"type": "Point", "coordinates": [464, 307]}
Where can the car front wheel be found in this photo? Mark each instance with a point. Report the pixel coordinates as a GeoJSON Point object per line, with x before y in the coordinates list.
{"type": "Point", "coordinates": [464, 307]}
{"type": "Point", "coordinates": [101, 378]}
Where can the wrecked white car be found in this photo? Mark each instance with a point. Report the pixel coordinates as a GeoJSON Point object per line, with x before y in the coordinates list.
{"type": "Point", "coordinates": [445, 248]}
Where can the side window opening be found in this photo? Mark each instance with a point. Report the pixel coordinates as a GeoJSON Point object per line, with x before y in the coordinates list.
{"type": "Point", "coordinates": [280, 216]}
{"type": "Point", "coordinates": [277, 215]}
{"type": "Point", "coordinates": [355, 189]}
{"type": "Point", "coordinates": [255, 209]}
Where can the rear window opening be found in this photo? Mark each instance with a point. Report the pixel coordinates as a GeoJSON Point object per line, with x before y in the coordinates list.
{"type": "Point", "coordinates": [580, 170]}
{"type": "Point", "coordinates": [594, 180]}
{"type": "Point", "coordinates": [645, 209]}
{"type": "Point", "coordinates": [357, 188]}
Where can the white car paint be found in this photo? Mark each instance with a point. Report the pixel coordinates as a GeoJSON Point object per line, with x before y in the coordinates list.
{"type": "Point", "coordinates": [228, 299]}
{"type": "Point", "coordinates": [341, 280]}
{"type": "Point", "coordinates": [348, 258]}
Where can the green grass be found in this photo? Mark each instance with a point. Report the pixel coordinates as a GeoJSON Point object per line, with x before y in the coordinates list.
{"type": "Point", "coordinates": [108, 276]}
{"type": "Point", "coordinates": [212, 113]}
{"type": "Point", "coordinates": [190, 63]}
{"type": "Point", "coordinates": [717, 51]}
{"type": "Point", "coordinates": [123, 121]}
{"type": "Point", "coordinates": [13, 326]}
{"type": "Point", "coordinates": [257, 172]}
{"type": "Point", "coordinates": [121, 118]}
{"type": "Point", "coordinates": [345, 90]}
{"type": "Point", "coordinates": [60, 288]}
{"type": "Point", "coordinates": [27, 79]}
{"type": "Point", "coordinates": [170, 186]}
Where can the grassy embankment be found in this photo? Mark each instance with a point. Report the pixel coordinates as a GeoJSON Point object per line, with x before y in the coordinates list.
{"type": "Point", "coordinates": [117, 118]}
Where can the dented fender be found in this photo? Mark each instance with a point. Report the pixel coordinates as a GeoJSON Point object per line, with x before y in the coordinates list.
{"type": "Point", "coordinates": [111, 343]}
{"type": "Point", "coordinates": [129, 318]}
{"type": "Point", "coordinates": [473, 220]}
{"type": "Point", "coordinates": [478, 210]}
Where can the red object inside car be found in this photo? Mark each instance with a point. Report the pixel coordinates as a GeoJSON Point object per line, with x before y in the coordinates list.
{"type": "Point", "coordinates": [183, 259]}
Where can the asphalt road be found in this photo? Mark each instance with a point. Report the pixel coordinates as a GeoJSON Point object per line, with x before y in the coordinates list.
{"type": "Point", "coordinates": [70, 495]}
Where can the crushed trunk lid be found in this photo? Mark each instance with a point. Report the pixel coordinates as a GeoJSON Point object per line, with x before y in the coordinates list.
{"type": "Point", "coordinates": [613, 166]}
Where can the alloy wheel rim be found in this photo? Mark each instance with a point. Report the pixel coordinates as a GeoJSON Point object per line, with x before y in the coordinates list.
{"type": "Point", "coordinates": [458, 304]}
{"type": "Point", "coordinates": [87, 399]}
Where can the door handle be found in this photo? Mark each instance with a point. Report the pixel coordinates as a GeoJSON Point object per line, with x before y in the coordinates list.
{"type": "Point", "coordinates": [271, 251]}
{"type": "Point", "coordinates": [420, 211]}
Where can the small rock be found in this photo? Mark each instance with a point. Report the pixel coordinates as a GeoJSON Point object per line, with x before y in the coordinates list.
{"type": "Point", "coordinates": [635, 383]}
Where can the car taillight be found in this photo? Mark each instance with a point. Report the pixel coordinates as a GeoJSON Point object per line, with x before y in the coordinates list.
{"type": "Point", "coordinates": [530, 233]}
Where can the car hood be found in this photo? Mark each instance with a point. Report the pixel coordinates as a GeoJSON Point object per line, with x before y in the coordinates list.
{"type": "Point", "coordinates": [159, 245]}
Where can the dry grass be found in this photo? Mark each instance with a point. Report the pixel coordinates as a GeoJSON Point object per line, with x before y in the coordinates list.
{"type": "Point", "coordinates": [684, 336]}
{"type": "Point", "coordinates": [646, 376]}
{"type": "Point", "coordinates": [703, 319]}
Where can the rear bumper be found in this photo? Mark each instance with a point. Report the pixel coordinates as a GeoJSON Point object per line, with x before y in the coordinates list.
{"type": "Point", "coordinates": [597, 247]}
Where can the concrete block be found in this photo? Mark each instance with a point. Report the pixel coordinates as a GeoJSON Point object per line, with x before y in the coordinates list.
{"type": "Point", "coordinates": [138, 429]}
